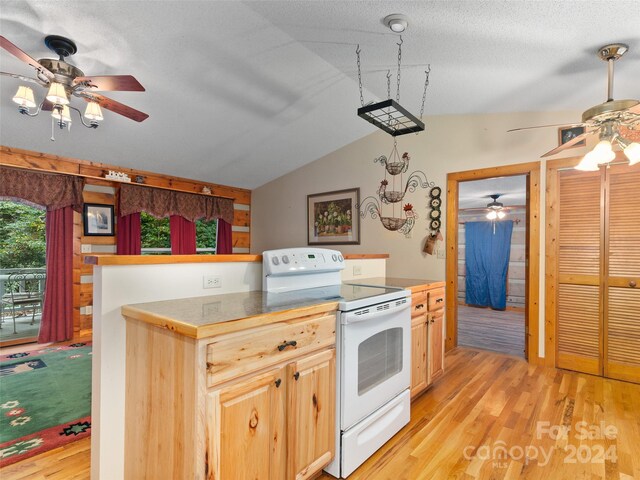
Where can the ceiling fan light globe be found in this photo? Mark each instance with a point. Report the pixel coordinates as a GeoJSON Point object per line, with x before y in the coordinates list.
{"type": "Point", "coordinates": [501, 214]}
{"type": "Point", "coordinates": [589, 163]}
{"type": "Point", "coordinates": [492, 215]}
{"type": "Point", "coordinates": [57, 95]}
{"type": "Point", "coordinates": [24, 97]}
{"type": "Point", "coordinates": [62, 114]}
{"type": "Point", "coordinates": [93, 112]}
{"type": "Point", "coordinates": [632, 151]}
{"type": "Point", "coordinates": [602, 152]}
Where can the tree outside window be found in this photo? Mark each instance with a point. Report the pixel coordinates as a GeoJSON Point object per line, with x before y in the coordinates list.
{"type": "Point", "coordinates": [22, 236]}
{"type": "Point", "coordinates": [155, 235]}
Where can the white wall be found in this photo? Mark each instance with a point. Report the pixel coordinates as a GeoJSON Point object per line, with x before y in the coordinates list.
{"type": "Point", "coordinates": [113, 287]}
{"type": "Point", "coordinates": [450, 144]}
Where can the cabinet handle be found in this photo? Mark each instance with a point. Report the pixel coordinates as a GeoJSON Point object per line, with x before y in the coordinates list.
{"type": "Point", "coordinates": [278, 382]}
{"type": "Point", "coordinates": [632, 284]}
{"type": "Point", "coordinates": [419, 306]}
{"type": "Point", "coordinates": [291, 343]}
{"type": "Point", "coordinates": [296, 375]}
{"type": "Point", "coordinates": [439, 300]}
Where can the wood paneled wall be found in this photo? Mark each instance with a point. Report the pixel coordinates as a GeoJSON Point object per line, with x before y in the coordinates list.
{"type": "Point", "coordinates": [99, 190]}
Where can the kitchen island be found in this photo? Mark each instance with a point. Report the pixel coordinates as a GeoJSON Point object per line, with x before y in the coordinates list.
{"type": "Point", "coordinates": [213, 379]}
{"type": "Point", "coordinates": [120, 280]}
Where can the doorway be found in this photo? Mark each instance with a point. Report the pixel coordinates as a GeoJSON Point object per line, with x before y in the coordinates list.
{"type": "Point", "coordinates": [531, 174]}
{"type": "Point", "coordinates": [491, 264]}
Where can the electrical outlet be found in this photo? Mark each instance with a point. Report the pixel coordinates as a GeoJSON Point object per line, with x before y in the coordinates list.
{"type": "Point", "coordinates": [357, 270]}
{"type": "Point", "coordinates": [212, 281]}
{"type": "Point", "coordinates": [85, 248]}
{"type": "Point", "coordinates": [441, 253]}
{"type": "Point", "coordinates": [88, 310]}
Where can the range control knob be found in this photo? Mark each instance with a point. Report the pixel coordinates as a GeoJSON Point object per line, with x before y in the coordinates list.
{"type": "Point", "coordinates": [285, 259]}
{"type": "Point", "coordinates": [275, 261]}
{"type": "Point", "coordinates": [340, 258]}
{"type": "Point", "coordinates": [334, 257]}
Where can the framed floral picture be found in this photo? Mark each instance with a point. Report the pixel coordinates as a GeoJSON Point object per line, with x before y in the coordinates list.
{"type": "Point", "coordinates": [332, 218]}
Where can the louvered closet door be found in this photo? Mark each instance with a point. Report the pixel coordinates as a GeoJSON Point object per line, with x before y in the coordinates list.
{"type": "Point", "coordinates": [622, 304]}
{"type": "Point", "coordinates": [579, 324]}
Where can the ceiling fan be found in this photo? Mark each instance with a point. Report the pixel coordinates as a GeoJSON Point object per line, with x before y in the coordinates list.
{"type": "Point", "coordinates": [63, 79]}
{"type": "Point", "coordinates": [615, 121]}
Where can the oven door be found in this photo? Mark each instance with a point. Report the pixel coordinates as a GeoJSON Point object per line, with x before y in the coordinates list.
{"type": "Point", "coordinates": [375, 358]}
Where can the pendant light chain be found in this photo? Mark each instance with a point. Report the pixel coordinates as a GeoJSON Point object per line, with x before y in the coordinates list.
{"type": "Point", "coordinates": [388, 83]}
{"type": "Point", "coordinates": [399, 61]}
{"type": "Point", "coordinates": [426, 84]}
{"type": "Point", "coordinates": [359, 76]}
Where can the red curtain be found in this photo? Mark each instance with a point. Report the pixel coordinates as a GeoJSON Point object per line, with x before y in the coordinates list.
{"type": "Point", "coordinates": [223, 238]}
{"type": "Point", "coordinates": [129, 240]}
{"type": "Point", "coordinates": [57, 315]}
{"type": "Point", "coordinates": [183, 235]}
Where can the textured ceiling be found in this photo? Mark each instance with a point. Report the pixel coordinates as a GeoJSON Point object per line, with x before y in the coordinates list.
{"type": "Point", "coordinates": [241, 93]}
{"type": "Point", "coordinates": [475, 193]}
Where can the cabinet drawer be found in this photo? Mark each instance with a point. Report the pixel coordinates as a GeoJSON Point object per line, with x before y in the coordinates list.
{"type": "Point", "coordinates": [418, 303]}
{"type": "Point", "coordinates": [235, 354]}
{"type": "Point", "coordinates": [435, 299]}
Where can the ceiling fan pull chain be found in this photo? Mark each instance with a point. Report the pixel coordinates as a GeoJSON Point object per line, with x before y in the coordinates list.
{"type": "Point", "coordinates": [359, 75]}
{"type": "Point", "coordinates": [388, 83]}
{"type": "Point", "coordinates": [53, 138]}
{"type": "Point", "coordinates": [399, 61]}
{"type": "Point", "coordinates": [426, 84]}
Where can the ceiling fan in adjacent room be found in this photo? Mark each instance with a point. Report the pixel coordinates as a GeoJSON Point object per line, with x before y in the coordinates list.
{"type": "Point", "coordinates": [615, 122]}
{"type": "Point", "coordinates": [62, 80]}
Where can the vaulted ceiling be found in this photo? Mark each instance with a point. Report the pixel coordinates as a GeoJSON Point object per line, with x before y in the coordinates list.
{"type": "Point", "coordinates": [242, 92]}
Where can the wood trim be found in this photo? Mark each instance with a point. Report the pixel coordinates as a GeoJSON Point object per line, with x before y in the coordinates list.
{"type": "Point", "coordinates": [167, 259]}
{"type": "Point", "coordinates": [532, 169]}
{"type": "Point", "coordinates": [109, 259]}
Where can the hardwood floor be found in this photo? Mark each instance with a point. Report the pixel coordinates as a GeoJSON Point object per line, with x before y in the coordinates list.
{"type": "Point", "coordinates": [498, 331]}
{"type": "Point", "coordinates": [484, 401]}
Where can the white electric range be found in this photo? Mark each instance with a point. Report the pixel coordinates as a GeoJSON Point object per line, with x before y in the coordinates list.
{"type": "Point", "coordinates": [373, 345]}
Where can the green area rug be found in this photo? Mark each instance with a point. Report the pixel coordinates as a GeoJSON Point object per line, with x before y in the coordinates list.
{"type": "Point", "coordinates": [45, 400]}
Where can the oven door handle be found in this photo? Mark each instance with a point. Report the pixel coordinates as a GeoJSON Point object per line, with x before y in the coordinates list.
{"type": "Point", "coordinates": [375, 312]}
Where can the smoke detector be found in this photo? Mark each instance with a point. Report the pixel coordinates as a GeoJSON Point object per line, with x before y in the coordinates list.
{"type": "Point", "coordinates": [397, 22]}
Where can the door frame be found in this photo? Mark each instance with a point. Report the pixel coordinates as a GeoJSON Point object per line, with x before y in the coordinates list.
{"type": "Point", "coordinates": [532, 300]}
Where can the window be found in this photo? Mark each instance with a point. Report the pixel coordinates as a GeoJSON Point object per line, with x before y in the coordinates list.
{"type": "Point", "coordinates": [206, 236]}
{"type": "Point", "coordinates": [22, 236]}
{"type": "Point", "coordinates": [155, 235]}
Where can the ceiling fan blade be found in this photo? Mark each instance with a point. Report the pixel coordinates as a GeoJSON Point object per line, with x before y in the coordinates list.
{"type": "Point", "coordinates": [47, 106]}
{"type": "Point", "coordinates": [16, 52]}
{"type": "Point", "coordinates": [114, 106]}
{"type": "Point", "coordinates": [570, 143]}
{"type": "Point", "coordinates": [24, 79]}
{"type": "Point", "coordinates": [124, 83]}
{"type": "Point", "coordinates": [564, 125]}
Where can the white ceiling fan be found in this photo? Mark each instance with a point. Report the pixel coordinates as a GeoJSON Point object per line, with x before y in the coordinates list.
{"type": "Point", "coordinates": [615, 121]}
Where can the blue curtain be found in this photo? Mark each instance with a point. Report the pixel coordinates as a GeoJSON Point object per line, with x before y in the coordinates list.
{"type": "Point", "coordinates": [487, 261]}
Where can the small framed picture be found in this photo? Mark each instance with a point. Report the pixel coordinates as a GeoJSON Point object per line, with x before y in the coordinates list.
{"type": "Point", "coordinates": [98, 220]}
{"type": "Point", "coordinates": [567, 134]}
{"type": "Point", "coordinates": [332, 218]}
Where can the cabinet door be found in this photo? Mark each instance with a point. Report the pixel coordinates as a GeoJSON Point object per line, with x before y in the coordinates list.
{"type": "Point", "coordinates": [418, 354]}
{"type": "Point", "coordinates": [247, 429]}
{"type": "Point", "coordinates": [435, 336]}
{"type": "Point", "coordinates": [311, 414]}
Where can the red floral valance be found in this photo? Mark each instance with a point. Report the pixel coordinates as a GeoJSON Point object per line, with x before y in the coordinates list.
{"type": "Point", "coordinates": [50, 190]}
{"type": "Point", "coordinates": [164, 203]}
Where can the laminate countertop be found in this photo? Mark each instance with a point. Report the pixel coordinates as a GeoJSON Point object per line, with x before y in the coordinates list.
{"type": "Point", "coordinates": [413, 284]}
{"type": "Point", "coordinates": [201, 317]}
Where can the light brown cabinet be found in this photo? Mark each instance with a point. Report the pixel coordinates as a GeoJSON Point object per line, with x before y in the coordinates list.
{"type": "Point", "coordinates": [427, 336]}
{"type": "Point", "coordinates": [254, 403]}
